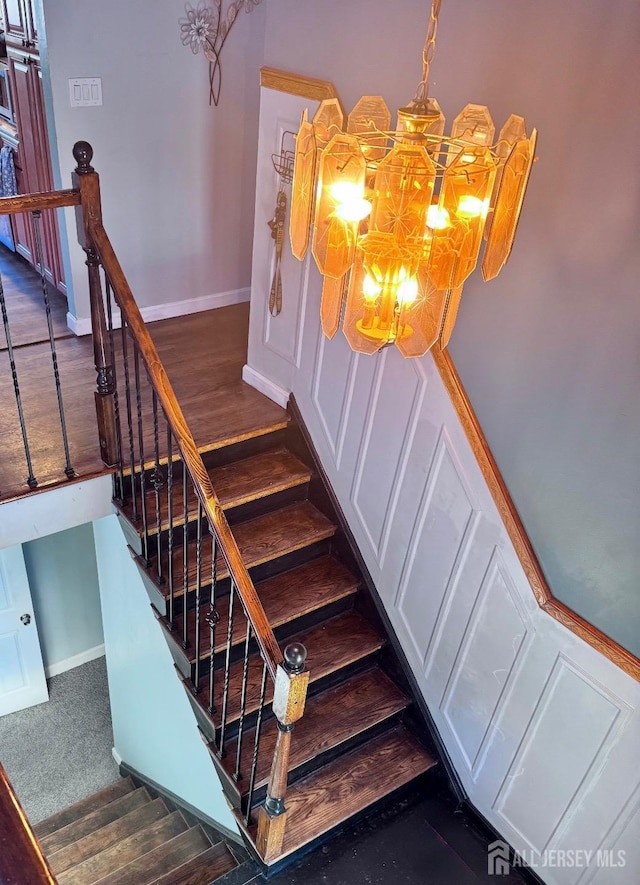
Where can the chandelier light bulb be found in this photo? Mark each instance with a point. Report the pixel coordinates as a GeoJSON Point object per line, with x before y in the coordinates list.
{"type": "Point", "coordinates": [472, 207]}
{"type": "Point", "coordinates": [407, 291]}
{"type": "Point", "coordinates": [437, 217]}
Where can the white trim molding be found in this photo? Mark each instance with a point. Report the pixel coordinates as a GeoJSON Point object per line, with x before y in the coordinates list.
{"type": "Point", "coordinates": [153, 312]}
{"type": "Point", "coordinates": [278, 394]}
{"type": "Point", "coordinates": [90, 654]}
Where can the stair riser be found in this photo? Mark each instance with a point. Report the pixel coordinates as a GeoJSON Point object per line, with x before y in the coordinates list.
{"type": "Point", "coordinates": [199, 701]}
{"type": "Point", "coordinates": [244, 449]}
{"type": "Point", "coordinates": [300, 771]}
{"type": "Point", "coordinates": [259, 572]}
{"type": "Point", "coordinates": [267, 503]}
{"type": "Point", "coordinates": [285, 632]}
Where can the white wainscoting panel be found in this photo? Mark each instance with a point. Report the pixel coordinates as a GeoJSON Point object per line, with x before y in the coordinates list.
{"type": "Point", "coordinates": [544, 731]}
{"type": "Point", "coordinates": [274, 342]}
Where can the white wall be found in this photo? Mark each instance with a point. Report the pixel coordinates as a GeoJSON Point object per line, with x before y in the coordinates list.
{"type": "Point", "coordinates": [63, 580]}
{"type": "Point", "coordinates": [177, 175]}
{"type": "Point", "coordinates": [548, 352]}
{"type": "Point", "coordinates": [154, 726]}
{"type": "Point", "coordinates": [543, 730]}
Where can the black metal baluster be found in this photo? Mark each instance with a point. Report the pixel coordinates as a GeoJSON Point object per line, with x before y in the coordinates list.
{"type": "Point", "coordinates": [227, 668]}
{"type": "Point", "coordinates": [127, 389]}
{"type": "Point", "coordinates": [170, 520]}
{"type": "Point", "coordinates": [243, 699]}
{"type": "Point", "coordinates": [196, 677]}
{"type": "Point", "coordinates": [32, 482]}
{"type": "Point", "coordinates": [185, 556]}
{"type": "Point", "coordinates": [212, 619]}
{"type": "Point", "coordinates": [256, 744]}
{"type": "Point", "coordinates": [156, 483]}
{"type": "Point", "coordinates": [69, 471]}
{"type": "Point", "coordinates": [119, 492]}
{"type": "Point", "coordinates": [143, 481]}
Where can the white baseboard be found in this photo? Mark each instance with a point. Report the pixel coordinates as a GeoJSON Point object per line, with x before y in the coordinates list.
{"type": "Point", "coordinates": [117, 757]}
{"type": "Point", "coordinates": [278, 394]}
{"type": "Point", "coordinates": [75, 661]}
{"type": "Point", "coordinates": [82, 325]}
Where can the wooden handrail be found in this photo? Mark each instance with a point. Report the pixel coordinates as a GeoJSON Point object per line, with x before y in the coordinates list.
{"type": "Point", "coordinates": [95, 239]}
{"type": "Point", "coordinates": [37, 202]}
{"type": "Point", "coordinates": [21, 858]}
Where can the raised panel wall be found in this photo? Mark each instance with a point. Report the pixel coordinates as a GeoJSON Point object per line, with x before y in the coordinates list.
{"type": "Point", "coordinates": [544, 731]}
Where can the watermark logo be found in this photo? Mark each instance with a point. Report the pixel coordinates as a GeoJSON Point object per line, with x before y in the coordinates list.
{"type": "Point", "coordinates": [498, 858]}
{"type": "Point", "coordinates": [499, 862]}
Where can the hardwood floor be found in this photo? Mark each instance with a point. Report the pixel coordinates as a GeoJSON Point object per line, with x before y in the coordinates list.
{"type": "Point", "coordinates": [25, 304]}
{"type": "Point", "coordinates": [209, 345]}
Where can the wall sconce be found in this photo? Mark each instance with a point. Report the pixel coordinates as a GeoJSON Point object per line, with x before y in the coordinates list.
{"type": "Point", "coordinates": [398, 217]}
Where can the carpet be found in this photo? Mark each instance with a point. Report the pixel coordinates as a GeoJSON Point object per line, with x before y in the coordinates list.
{"type": "Point", "coordinates": [60, 752]}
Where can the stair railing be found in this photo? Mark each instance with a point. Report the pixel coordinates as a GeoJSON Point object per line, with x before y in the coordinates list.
{"type": "Point", "coordinates": [32, 213]}
{"type": "Point", "coordinates": [21, 858]}
{"type": "Point", "coordinates": [144, 436]}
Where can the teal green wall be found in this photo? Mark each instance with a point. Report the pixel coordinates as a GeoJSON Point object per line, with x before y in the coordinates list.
{"type": "Point", "coordinates": [154, 726]}
{"type": "Point", "coordinates": [63, 579]}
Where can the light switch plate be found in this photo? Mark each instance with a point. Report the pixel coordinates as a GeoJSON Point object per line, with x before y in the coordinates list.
{"type": "Point", "coordinates": [85, 92]}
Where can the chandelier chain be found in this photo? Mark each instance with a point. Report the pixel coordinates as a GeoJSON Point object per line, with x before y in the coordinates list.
{"type": "Point", "coordinates": [428, 51]}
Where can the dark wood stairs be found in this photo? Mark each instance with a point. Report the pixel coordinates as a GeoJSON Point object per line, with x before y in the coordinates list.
{"type": "Point", "coordinates": [360, 738]}
{"type": "Point", "coordinates": [123, 836]}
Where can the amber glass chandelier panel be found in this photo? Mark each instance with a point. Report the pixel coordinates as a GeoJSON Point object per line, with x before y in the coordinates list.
{"type": "Point", "coordinates": [371, 118]}
{"type": "Point", "coordinates": [513, 185]}
{"type": "Point", "coordinates": [474, 126]}
{"type": "Point", "coordinates": [361, 309]}
{"type": "Point", "coordinates": [302, 188]}
{"type": "Point", "coordinates": [464, 203]}
{"type": "Point", "coordinates": [328, 120]}
{"type": "Point", "coordinates": [450, 315]}
{"type": "Point", "coordinates": [340, 205]}
{"type": "Point", "coordinates": [512, 131]}
{"type": "Point", "coordinates": [402, 195]}
{"type": "Point", "coordinates": [331, 305]}
{"type": "Point", "coordinates": [420, 322]}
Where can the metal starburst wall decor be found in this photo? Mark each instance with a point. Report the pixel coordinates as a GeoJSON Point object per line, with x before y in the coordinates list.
{"type": "Point", "coordinates": [206, 28]}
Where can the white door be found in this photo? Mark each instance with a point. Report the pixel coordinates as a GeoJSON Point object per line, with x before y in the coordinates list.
{"type": "Point", "coordinates": [22, 679]}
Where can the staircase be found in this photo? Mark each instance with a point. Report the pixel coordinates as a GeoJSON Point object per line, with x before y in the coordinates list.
{"type": "Point", "coordinates": [355, 744]}
{"type": "Point", "coordinates": [122, 836]}
{"type": "Point", "coordinates": [278, 642]}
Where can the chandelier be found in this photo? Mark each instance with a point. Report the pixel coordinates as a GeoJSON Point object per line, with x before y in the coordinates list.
{"type": "Point", "coordinates": [399, 217]}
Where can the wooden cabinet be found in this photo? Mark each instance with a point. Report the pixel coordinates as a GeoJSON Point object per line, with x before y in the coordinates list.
{"type": "Point", "coordinates": [19, 23]}
{"type": "Point", "coordinates": [32, 159]}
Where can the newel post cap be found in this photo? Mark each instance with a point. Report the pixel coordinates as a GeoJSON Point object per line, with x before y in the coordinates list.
{"type": "Point", "coordinates": [83, 154]}
{"type": "Point", "coordinates": [295, 656]}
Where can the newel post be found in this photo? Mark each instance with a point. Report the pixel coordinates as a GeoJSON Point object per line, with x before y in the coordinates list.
{"type": "Point", "coordinates": [289, 698]}
{"type": "Point", "coordinates": [86, 180]}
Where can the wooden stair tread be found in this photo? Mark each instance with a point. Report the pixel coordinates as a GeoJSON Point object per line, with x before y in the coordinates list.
{"type": "Point", "coordinates": [202, 869]}
{"type": "Point", "coordinates": [330, 719]}
{"type": "Point", "coordinates": [347, 786]}
{"type": "Point", "coordinates": [106, 836]}
{"type": "Point", "coordinates": [77, 829]}
{"type": "Point", "coordinates": [260, 540]}
{"type": "Point", "coordinates": [82, 808]}
{"type": "Point", "coordinates": [172, 854]}
{"type": "Point", "coordinates": [235, 484]}
{"type": "Point", "coordinates": [284, 598]}
{"type": "Point", "coordinates": [234, 412]}
{"type": "Point", "coordinates": [332, 645]}
{"type": "Point", "coordinates": [125, 851]}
